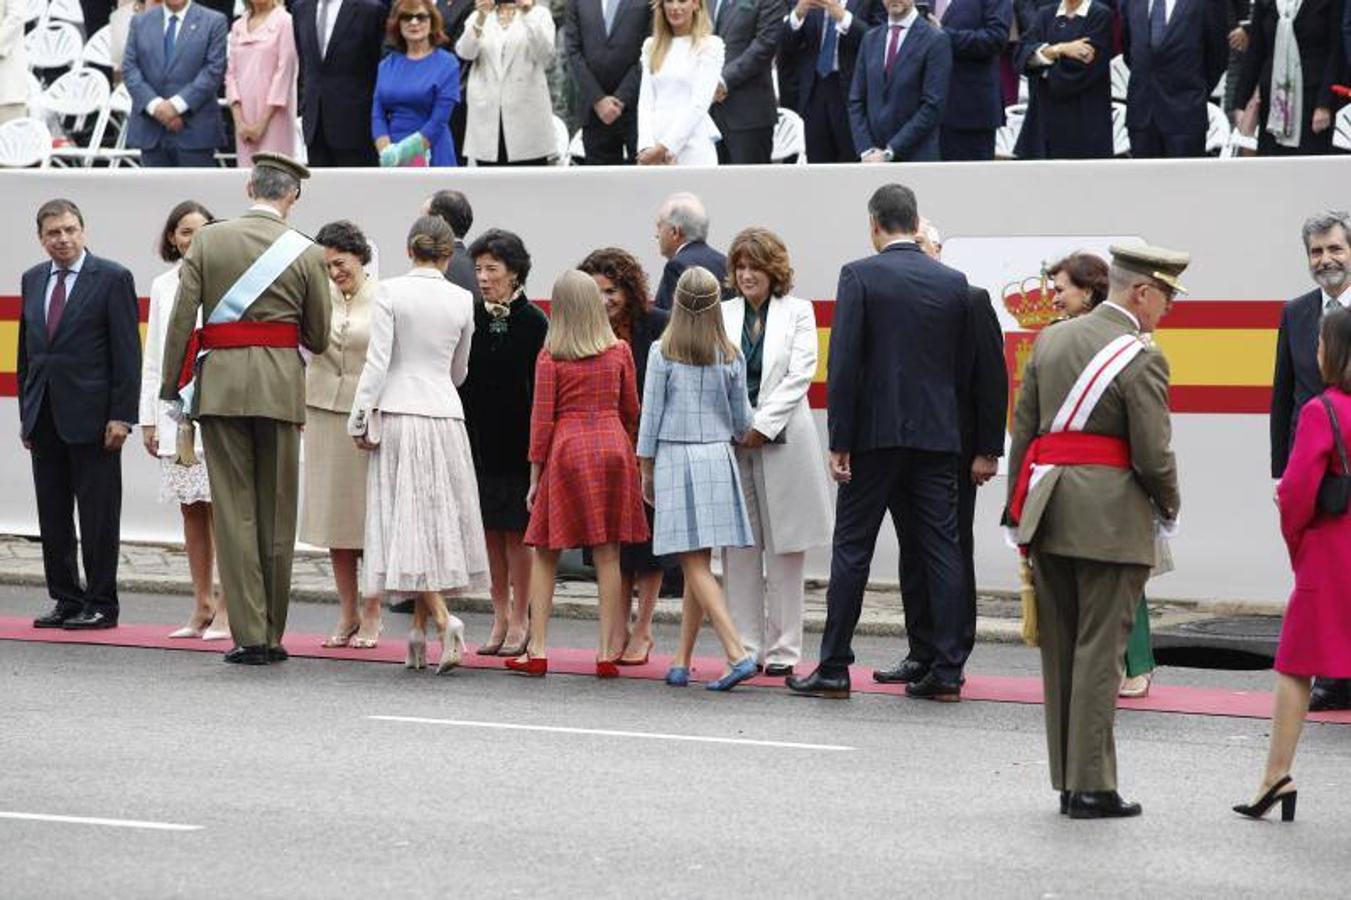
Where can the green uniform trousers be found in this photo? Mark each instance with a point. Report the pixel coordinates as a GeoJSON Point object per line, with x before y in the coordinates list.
{"type": "Point", "coordinates": [1085, 609]}
{"type": "Point", "coordinates": [254, 468]}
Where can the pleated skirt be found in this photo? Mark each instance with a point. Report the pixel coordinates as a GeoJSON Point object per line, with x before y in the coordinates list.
{"type": "Point", "coordinates": [699, 499]}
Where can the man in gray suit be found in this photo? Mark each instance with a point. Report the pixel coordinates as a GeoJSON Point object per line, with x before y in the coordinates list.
{"type": "Point", "coordinates": [744, 107]}
{"type": "Point", "coordinates": [603, 40]}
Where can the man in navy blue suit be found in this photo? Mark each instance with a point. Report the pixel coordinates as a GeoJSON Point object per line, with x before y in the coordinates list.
{"type": "Point", "coordinates": [900, 88]}
{"type": "Point", "coordinates": [339, 44]}
{"type": "Point", "coordinates": [903, 323]}
{"type": "Point", "coordinates": [174, 68]}
{"type": "Point", "coordinates": [979, 32]}
{"type": "Point", "coordinates": [823, 38]}
{"type": "Point", "coordinates": [1176, 50]}
{"type": "Point", "coordinates": [79, 375]}
{"type": "Point", "coordinates": [682, 231]}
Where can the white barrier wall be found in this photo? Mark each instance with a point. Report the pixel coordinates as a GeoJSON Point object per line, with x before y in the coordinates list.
{"type": "Point", "coordinates": [1239, 218]}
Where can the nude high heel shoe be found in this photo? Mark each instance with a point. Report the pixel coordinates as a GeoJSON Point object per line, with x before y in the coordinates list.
{"type": "Point", "coordinates": [452, 646]}
{"type": "Point", "coordinates": [417, 651]}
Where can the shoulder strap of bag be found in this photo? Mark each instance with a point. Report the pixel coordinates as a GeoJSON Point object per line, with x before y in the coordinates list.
{"type": "Point", "coordinates": [1336, 433]}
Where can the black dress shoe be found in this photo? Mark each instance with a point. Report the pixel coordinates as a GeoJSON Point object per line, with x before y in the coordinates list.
{"type": "Point", "coordinates": [904, 672]}
{"type": "Point", "coordinates": [931, 687]}
{"type": "Point", "coordinates": [277, 654]}
{"type": "Point", "coordinates": [249, 656]}
{"type": "Point", "coordinates": [90, 620]}
{"type": "Point", "coordinates": [57, 618]}
{"type": "Point", "coordinates": [402, 606]}
{"type": "Point", "coordinates": [1101, 805]}
{"type": "Point", "coordinates": [1329, 694]}
{"type": "Point", "coordinates": [820, 684]}
{"type": "Point", "coordinates": [778, 670]}
{"type": "Point", "coordinates": [1064, 803]}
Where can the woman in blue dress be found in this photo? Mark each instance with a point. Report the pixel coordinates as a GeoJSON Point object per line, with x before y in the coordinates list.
{"type": "Point", "coordinates": [416, 89]}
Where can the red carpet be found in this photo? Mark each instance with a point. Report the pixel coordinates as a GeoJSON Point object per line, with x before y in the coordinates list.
{"type": "Point", "coordinates": [991, 688]}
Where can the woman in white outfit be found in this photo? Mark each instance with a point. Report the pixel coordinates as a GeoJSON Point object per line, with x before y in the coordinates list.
{"type": "Point", "coordinates": [783, 469]}
{"type": "Point", "coordinates": [682, 66]}
{"type": "Point", "coordinates": [182, 469]}
{"type": "Point", "coordinates": [424, 535]}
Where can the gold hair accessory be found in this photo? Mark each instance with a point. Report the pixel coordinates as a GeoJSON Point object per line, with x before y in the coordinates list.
{"type": "Point", "coordinates": [706, 295]}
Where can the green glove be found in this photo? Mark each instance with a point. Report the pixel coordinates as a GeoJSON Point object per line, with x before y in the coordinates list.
{"type": "Point", "coordinates": [411, 150]}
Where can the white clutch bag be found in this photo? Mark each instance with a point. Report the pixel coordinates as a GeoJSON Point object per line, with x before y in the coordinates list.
{"type": "Point", "coordinates": [373, 427]}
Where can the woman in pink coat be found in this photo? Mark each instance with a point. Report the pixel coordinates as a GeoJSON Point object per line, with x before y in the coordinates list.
{"type": "Point", "coordinates": [1316, 636]}
{"type": "Point", "coordinates": [260, 81]}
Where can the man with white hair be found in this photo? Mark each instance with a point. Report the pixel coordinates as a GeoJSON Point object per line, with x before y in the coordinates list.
{"type": "Point", "coordinates": [682, 229]}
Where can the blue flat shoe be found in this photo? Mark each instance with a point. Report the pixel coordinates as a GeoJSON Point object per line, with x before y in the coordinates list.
{"type": "Point", "coordinates": [678, 676]}
{"type": "Point", "coordinates": [739, 673]}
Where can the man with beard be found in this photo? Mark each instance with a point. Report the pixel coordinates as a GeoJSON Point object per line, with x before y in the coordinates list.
{"type": "Point", "coordinates": [1327, 240]}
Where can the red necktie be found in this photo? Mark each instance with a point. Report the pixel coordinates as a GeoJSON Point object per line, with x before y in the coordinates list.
{"type": "Point", "coordinates": [57, 304]}
{"type": "Point", "coordinates": [893, 44]}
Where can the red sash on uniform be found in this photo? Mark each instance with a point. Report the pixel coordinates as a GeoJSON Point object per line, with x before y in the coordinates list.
{"type": "Point", "coordinates": [230, 335]}
{"type": "Point", "coordinates": [1066, 448]}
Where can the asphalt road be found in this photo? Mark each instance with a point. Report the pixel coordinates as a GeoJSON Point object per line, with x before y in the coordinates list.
{"type": "Point", "coordinates": [309, 779]}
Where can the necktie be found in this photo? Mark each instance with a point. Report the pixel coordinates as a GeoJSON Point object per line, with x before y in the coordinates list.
{"type": "Point", "coordinates": [893, 44]}
{"type": "Point", "coordinates": [170, 38]}
{"type": "Point", "coordinates": [57, 305]}
{"type": "Point", "coordinates": [717, 8]}
{"type": "Point", "coordinates": [324, 7]}
{"type": "Point", "coordinates": [1331, 306]}
{"type": "Point", "coordinates": [830, 39]}
{"type": "Point", "coordinates": [1158, 22]}
{"type": "Point", "coordinates": [607, 9]}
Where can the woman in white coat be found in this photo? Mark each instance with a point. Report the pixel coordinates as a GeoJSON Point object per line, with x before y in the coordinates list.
{"type": "Point", "coordinates": [783, 468]}
{"type": "Point", "coordinates": [509, 112]}
{"type": "Point", "coordinates": [682, 66]}
{"type": "Point", "coordinates": [13, 60]}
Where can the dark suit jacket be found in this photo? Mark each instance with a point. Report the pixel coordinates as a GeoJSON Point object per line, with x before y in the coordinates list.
{"type": "Point", "coordinates": [983, 381]}
{"type": "Point", "coordinates": [336, 89]}
{"type": "Point", "coordinates": [750, 31]}
{"type": "Point", "coordinates": [646, 332]}
{"type": "Point", "coordinates": [90, 372]}
{"type": "Point", "coordinates": [1170, 84]}
{"type": "Point", "coordinates": [460, 272]}
{"type": "Point", "coordinates": [1069, 113]}
{"type": "Point", "coordinates": [901, 110]}
{"type": "Point", "coordinates": [896, 351]}
{"type": "Point", "coordinates": [196, 73]}
{"type": "Point", "coordinates": [1297, 379]}
{"type": "Point", "coordinates": [804, 46]}
{"type": "Point", "coordinates": [695, 253]}
{"type": "Point", "coordinates": [605, 65]}
{"type": "Point", "coordinates": [979, 32]}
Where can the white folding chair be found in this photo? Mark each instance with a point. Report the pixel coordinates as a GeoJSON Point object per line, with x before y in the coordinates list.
{"type": "Point", "coordinates": [1217, 131]}
{"type": "Point", "coordinates": [1218, 94]}
{"type": "Point", "coordinates": [34, 10]}
{"type": "Point", "coordinates": [1024, 90]}
{"type": "Point", "coordinates": [98, 50]}
{"type": "Point", "coordinates": [562, 140]}
{"type": "Point", "coordinates": [77, 94]}
{"type": "Point", "coordinates": [53, 45]}
{"type": "Point", "coordinates": [65, 11]}
{"type": "Point", "coordinates": [1006, 138]}
{"type": "Point", "coordinates": [1341, 129]}
{"type": "Point", "coordinates": [790, 139]}
{"type": "Point", "coordinates": [1121, 137]}
{"type": "Point", "coordinates": [24, 142]}
{"type": "Point", "coordinates": [34, 96]}
{"type": "Point", "coordinates": [1121, 78]}
{"type": "Point", "coordinates": [576, 147]}
{"type": "Point", "coordinates": [119, 114]}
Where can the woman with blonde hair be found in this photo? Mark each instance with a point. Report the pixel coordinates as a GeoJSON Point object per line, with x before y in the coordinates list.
{"type": "Point", "coordinates": [583, 475]}
{"type": "Point", "coordinates": [694, 408]}
{"type": "Point", "coordinates": [682, 68]}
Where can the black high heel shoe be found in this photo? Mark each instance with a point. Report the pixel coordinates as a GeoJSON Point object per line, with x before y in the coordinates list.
{"type": "Point", "coordinates": [1263, 806]}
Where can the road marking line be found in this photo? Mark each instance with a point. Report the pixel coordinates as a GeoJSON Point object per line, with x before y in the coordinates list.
{"type": "Point", "coordinates": [645, 735]}
{"type": "Point", "coordinates": [108, 823]}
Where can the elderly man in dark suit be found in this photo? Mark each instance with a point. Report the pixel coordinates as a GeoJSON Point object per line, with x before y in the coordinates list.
{"type": "Point", "coordinates": [453, 208]}
{"type": "Point", "coordinates": [900, 88]}
{"type": "Point", "coordinates": [979, 32]}
{"type": "Point", "coordinates": [1327, 239]}
{"type": "Point", "coordinates": [901, 324]}
{"type": "Point", "coordinates": [79, 380]}
{"type": "Point", "coordinates": [1176, 52]}
{"type": "Point", "coordinates": [602, 40]}
{"type": "Point", "coordinates": [823, 38]}
{"type": "Point", "coordinates": [682, 230]}
{"type": "Point", "coordinates": [744, 106]}
{"type": "Point", "coordinates": [339, 43]}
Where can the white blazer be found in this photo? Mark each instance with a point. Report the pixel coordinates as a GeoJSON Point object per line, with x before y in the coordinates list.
{"type": "Point", "coordinates": [153, 410]}
{"type": "Point", "coordinates": [13, 57]}
{"type": "Point", "coordinates": [798, 498]}
{"type": "Point", "coordinates": [418, 355]}
{"type": "Point", "coordinates": [509, 85]}
{"type": "Point", "coordinates": [673, 102]}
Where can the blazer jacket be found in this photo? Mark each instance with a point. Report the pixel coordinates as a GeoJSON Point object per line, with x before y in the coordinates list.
{"type": "Point", "coordinates": [336, 89]}
{"type": "Point", "coordinates": [688, 404]}
{"type": "Point", "coordinates": [901, 323]}
{"type": "Point", "coordinates": [1297, 379]}
{"type": "Point", "coordinates": [1097, 512]}
{"type": "Point", "coordinates": [154, 411]}
{"type": "Point", "coordinates": [979, 32]}
{"type": "Point", "coordinates": [673, 104]}
{"type": "Point", "coordinates": [13, 56]}
{"type": "Point", "coordinates": [605, 65]}
{"type": "Point", "coordinates": [901, 110]}
{"type": "Point", "coordinates": [89, 373]}
{"type": "Point", "coordinates": [195, 73]}
{"type": "Point", "coordinates": [646, 332]}
{"type": "Point", "coordinates": [509, 86]}
{"type": "Point", "coordinates": [983, 382]}
{"type": "Point", "coordinates": [331, 377]}
{"type": "Point", "coordinates": [750, 32]}
{"type": "Point", "coordinates": [421, 329]}
{"type": "Point", "coordinates": [1170, 84]}
{"type": "Point", "coordinates": [804, 47]}
{"type": "Point", "coordinates": [695, 253]}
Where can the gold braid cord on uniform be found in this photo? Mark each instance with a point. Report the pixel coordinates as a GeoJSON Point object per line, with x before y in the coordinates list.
{"type": "Point", "coordinates": [185, 451]}
{"type": "Point", "coordinates": [1027, 593]}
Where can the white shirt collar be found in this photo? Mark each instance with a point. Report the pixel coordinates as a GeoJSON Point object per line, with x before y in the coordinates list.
{"type": "Point", "coordinates": [899, 241]}
{"type": "Point", "coordinates": [182, 13]}
{"type": "Point", "coordinates": [1344, 299]}
{"type": "Point", "coordinates": [907, 21]}
{"type": "Point", "coordinates": [1063, 10]}
{"type": "Point", "coordinates": [1125, 312]}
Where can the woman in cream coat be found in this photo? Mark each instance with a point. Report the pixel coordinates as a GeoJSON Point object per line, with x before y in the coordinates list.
{"type": "Point", "coordinates": [682, 67]}
{"type": "Point", "coordinates": [783, 468]}
{"type": "Point", "coordinates": [509, 113]}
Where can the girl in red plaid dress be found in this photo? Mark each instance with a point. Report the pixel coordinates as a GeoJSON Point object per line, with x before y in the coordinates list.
{"type": "Point", "coordinates": [584, 489]}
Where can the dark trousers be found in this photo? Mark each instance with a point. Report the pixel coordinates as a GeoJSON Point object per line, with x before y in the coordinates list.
{"type": "Point", "coordinates": [615, 144]}
{"type": "Point", "coordinates": [1150, 143]}
{"type": "Point", "coordinates": [503, 160]}
{"type": "Point", "coordinates": [746, 146]}
{"type": "Point", "coordinates": [826, 123]}
{"type": "Point", "coordinates": [67, 477]}
{"type": "Point", "coordinates": [167, 156]}
{"type": "Point", "coordinates": [959, 144]}
{"type": "Point", "coordinates": [919, 624]}
{"type": "Point", "coordinates": [919, 488]}
{"type": "Point", "coordinates": [96, 14]}
{"type": "Point", "coordinates": [321, 155]}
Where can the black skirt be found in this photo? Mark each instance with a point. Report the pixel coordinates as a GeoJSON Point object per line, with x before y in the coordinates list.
{"type": "Point", "coordinates": [502, 501]}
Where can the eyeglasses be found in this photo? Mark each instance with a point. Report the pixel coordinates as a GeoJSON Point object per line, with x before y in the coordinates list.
{"type": "Point", "coordinates": [415, 18]}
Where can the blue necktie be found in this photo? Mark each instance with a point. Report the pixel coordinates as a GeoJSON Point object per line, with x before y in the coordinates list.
{"type": "Point", "coordinates": [1158, 22]}
{"type": "Point", "coordinates": [170, 38]}
{"type": "Point", "coordinates": [825, 61]}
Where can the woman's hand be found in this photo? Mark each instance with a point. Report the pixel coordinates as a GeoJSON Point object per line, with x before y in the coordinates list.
{"type": "Point", "coordinates": [363, 444]}
{"type": "Point", "coordinates": [1238, 39]}
{"type": "Point", "coordinates": [483, 7]}
{"type": "Point", "coordinates": [525, 5]}
{"type": "Point", "coordinates": [1322, 119]}
{"type": "Point", "coordinates": [381, 143]}
{"type": "Point", "coordinates": [753, 440]}
{"type": "Point", "coordinates": [649, 490]}
{"type": "Point", "coordinates": [1079, 50]}
{"type": "Point", "coordinates": [656, 155]}
{"type": "Point", "coordinates": [531, 495]}
{"type": "Point", "coordinates": [150, 438]}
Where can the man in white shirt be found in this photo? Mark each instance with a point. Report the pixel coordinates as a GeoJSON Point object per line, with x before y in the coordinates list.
{"type": "Point", "coordinates": [823, 38]}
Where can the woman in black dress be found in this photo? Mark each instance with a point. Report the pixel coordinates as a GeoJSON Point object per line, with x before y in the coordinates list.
{"type": "Point", "coordinates": [1066, 58]}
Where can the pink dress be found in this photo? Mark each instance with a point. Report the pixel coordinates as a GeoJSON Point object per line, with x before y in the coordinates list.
{"type": "Point", "coordinates": [261, 72]}
{"type": "Point", "coordinates": [1316, 635]}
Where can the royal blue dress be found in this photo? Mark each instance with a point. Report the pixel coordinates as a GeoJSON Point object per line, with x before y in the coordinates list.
{"type": "Point", "coordinates": [418, 95]}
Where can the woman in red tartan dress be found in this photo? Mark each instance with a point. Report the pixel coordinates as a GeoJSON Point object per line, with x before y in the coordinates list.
{"type": "Point", "coordinates": [584, 488]}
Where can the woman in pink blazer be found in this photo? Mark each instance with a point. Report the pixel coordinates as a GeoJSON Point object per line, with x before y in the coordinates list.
{"type": "Point", "coordinates": [260, 81]}
{"type": "Point", "coordinates": [1316, 636]}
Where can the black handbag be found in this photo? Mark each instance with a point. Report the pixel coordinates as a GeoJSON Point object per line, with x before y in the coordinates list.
{"type": "Point", "coordinates": [1334, 493]}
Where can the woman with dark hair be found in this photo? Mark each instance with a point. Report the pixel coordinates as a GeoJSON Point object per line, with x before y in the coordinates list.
{"type": "Point", "coordinates": [623, 287]}
{"type": "Point", "coordinates": [335, 471]}
{"type": "Point", "coordinates": [509, 115]}
{"type": "Point", "coordinates": [1316, 633]}
{"type": "Point", "coordinates": [509, 331]}
{"type": "Point", "coordinates": [1066, 56]}
{"type": "Point", "coordinates": [416, 89]}
{"type": "Point", "coordinates": [182, 469]}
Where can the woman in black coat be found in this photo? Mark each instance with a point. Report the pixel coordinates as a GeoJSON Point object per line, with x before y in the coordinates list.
{"type": "Point", "coordinates": [1067, 62]}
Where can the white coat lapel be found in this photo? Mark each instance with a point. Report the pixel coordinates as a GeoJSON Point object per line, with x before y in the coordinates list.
{"type": "Point", "coordinates": [733, 317]}
{"type": "Point", "coordinates": [776, 353]}
{"type": "Point", "coordinates": [513, 38]}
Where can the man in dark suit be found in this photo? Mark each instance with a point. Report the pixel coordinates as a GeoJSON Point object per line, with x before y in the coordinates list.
{"type": "Point", "coordinates": [900, 88]}
{"type": "Point", "coordinates": [979, 32]}
{"type": "Point", "coordinates": [901, 323]}
{"type": "Point", "coordinates": [603, 39]}
{"type": "Point", "coordinates": [682, 227]}
{"type": "Point", "coordinates": [823, 38]}
{"type": "Point", "coordinates": [456, 13]}
{"type": "Point", "coordinates": [1327, 238]}
{"type": "Point", "coordinates": [744, 106]}
{"type": "Point", "coordinates": [79, 380]}
{"type": "Point", "coordinates": [453, 208]}
{"type": "Point", "coordinates": [339, 43]}
{"type": "Point", "coordinates": [1176, 50]}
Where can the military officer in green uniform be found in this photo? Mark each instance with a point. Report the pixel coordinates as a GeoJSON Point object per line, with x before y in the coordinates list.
{"type": "Point", "coordinates": [1096, 480]}
{"type": "Point", "coordinates": [263, 292]}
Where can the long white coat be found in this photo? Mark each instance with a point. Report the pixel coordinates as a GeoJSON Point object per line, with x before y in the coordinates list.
{"type": "Point", "coordinates": [509, 85]}
{"type": "Point", "coordinates": [13, 58]}
{"type": "Point", "coordinates": [673, 102]}
{"type": "Point", "coordinates": [798, 501]}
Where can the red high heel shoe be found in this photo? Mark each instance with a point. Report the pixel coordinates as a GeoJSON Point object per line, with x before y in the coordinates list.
{"type": "Point", "coordinates": [606, 668]}
{"type": "Point", "coordinates": [534, 666]}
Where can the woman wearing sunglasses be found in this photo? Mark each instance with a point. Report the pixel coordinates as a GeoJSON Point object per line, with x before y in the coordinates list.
{"type": "Point", "coordinates": [416, 90]}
